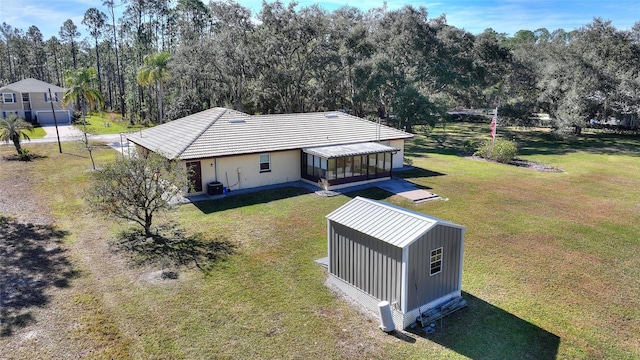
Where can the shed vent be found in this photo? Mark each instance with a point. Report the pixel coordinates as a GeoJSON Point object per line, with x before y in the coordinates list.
{"type": "Point", "coordinates": [331, 115]}
{"type": "Point", "coordinates": [236, 121]}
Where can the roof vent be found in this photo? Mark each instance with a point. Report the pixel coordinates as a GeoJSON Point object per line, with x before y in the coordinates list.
{"type": "Point", "coordinates": [331, 115]}
{"type": "Point", "coordinates": [236, 121]}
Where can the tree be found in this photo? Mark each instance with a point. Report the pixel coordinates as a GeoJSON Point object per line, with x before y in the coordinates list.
{"type": "Point", "coordinates": [13, 128]}
{"type": "Point", "coordinates": [136, 189]}
{"type": "Point", "coordinates": [81, 86]}
{"type": "Point", "coordinates": [120, 81]}
{"type": "Point", "coordinates": [155, 70]}
{"type": "Point", "coordinates": [95, 20]}
{"type": "Point", "coordinates": [68, 34]}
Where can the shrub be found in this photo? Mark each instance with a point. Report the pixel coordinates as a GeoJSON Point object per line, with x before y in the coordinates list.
{"type": "Point", "coordinates": [501, 151]}
{"type": "Point", "coordinates": [25, 155]}
{"type": "Point", "coordinates": [469, 146]}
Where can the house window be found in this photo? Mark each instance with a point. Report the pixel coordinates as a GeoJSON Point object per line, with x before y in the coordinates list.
{"type": "Point", "coordinates": [8, 98]}
{"type": "Point", "coordinates": [265, 162]}
{"type": "Point", "coordinates": [436, 261]}
{"type": "Point", "coordinates": [47, 98]}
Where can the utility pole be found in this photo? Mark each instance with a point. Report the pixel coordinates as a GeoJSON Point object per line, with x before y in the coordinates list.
{"type": "Point", "coordinates": [55, 121]}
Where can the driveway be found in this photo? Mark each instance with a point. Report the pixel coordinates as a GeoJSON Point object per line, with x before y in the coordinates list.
{"type": "Point", "coordinates": [67, 132]}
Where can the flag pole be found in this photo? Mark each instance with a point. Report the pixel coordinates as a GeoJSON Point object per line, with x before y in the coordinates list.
{"type": "Point", "coordinates": [494, 123]}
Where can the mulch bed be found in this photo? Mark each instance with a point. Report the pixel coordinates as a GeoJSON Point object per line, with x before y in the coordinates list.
{"type": "Point", "coordinates": [522, 163]}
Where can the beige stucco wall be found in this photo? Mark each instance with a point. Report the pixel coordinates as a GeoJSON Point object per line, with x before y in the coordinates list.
{"type": "Point", "coordinates": [285, 167]}
{"type": "Point", "coordinates": [398, 157]}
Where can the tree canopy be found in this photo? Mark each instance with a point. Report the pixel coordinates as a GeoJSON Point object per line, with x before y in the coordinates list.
{"type": "Point", "coordinates": [136, 189]}
{"type": "Point", "coordinates": [404, 65]}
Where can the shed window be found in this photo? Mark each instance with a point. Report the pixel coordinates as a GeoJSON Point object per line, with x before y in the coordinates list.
{"type": "Point", "coordinates": [436, 261]}
{"type": "Point", "coordinates": [265, 162]}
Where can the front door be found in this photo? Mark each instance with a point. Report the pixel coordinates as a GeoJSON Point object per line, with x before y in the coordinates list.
{"type": "Point", "coordinates": [195, 176]}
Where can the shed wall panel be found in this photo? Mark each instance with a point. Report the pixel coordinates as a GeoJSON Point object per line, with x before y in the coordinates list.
{"type": "Point", "coordinates": [447, 281]}
{"type": "Point", "coordinates": [369, 264]}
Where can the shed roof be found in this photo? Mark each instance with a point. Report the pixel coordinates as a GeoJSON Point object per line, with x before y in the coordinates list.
{"type": "Point", "coordinates": [223, 132]}
{"type": "Point", "coordinates": [389, 223]}
{"type": "Point", "coordinates": [32, 85]}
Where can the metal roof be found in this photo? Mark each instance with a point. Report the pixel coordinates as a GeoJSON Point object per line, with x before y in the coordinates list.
{"type": "Point", "coordinates": [349, 150]}
{"type": "Point", "coordinates": [32, 85]}
{"type": "Point", "coordinates": [217, 132]}
{"type": "Point", "coordinates": [389, 223]}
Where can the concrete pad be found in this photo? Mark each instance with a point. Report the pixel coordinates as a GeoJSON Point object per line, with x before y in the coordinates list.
{"type": "Point", "coordinates": [407, 190]}
{"type": "Point", "coordinates": [418, 196]}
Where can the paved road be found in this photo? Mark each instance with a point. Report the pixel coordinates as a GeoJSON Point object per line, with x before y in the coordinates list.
{"type": "Point", "coordinates": [69, 133]}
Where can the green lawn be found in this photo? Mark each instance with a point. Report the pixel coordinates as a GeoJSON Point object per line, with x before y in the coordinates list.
{"type": "Point", "coordinates": [104, 123]}
{"type": "Point", "coordinates": [37, 132]}
{"type": "Point", "coordinates": [550, 267]}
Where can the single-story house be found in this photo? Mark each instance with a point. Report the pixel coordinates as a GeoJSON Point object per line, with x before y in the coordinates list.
{"type": "Point", "coordinates": [29, 99]}
{"type": "Point", "coordinates": [240, 151]}
{"type": "Point", "coordinates": [381, 252]}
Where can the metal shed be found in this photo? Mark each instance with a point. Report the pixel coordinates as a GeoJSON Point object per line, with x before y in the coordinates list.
{"type": "Point", "coordinates": [381, 252]}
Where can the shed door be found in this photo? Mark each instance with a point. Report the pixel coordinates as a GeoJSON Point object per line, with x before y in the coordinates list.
{"type": "Point", "coordinates": [195, 176]}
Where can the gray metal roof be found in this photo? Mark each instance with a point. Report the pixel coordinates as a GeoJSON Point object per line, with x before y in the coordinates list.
{"type": "Point", "coordinates": [32, 85]}
{"type": "Point", "coordinates": [349, 150]}
{"type": "Point", "coordinates": [223, 132]}
{"type": "Point", "coordinates": [389, 223]}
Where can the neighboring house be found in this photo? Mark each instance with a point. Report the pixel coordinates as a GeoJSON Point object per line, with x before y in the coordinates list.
{"type": "Point", "coordinates": [245, 151]}
{"type": "Point", "coordinates": [381, 252]}
{"type": "Point", "coordinates": [29, 99]}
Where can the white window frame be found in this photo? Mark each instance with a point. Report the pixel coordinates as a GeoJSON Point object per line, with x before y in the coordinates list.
{"type": "Point", "coordinates": [267, 162]}
{"type": "Point", "coordinates": [48, 99]}
{"type": "Point", "coordinates": [435, 261]}
{"type": "Point", "coordinates": [11, 98]}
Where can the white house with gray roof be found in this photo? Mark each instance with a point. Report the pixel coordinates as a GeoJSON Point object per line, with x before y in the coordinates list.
{"type": "Point", "coordinates": [245, 151]}
{"type": "Point", "coordinates": [30, 99]}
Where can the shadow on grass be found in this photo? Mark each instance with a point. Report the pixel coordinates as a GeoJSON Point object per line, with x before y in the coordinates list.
{"type": "Point", "coordinates": [172, 247]}
{"type": "Point", "coordinates": [31, 263]}
{"type": "Point", "coordinates": [484, 331]}
{"type": "Point", "coordinates": [250, 198]}
{"type": "Point", "coordinates": [530, 141]}
{"type": "Point", "coordinates": [417, 172]}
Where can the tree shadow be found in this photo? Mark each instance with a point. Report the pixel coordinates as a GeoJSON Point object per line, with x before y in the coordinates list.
{"type": "Point", "coordinates": [170, 246]}
{"type": "Point", "coordinates": [530, 141]}
{"type": "Point", "coordinates": [32, 263]}
{"type": "Point", "coordinates": [484, 331]}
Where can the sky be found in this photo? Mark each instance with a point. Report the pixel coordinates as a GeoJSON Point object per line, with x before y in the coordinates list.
{"type": "Point", "coordinates": [503, 16]}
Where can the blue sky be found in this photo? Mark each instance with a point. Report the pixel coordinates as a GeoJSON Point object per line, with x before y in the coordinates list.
{"type": "Point", "coordinates": [506, 16]}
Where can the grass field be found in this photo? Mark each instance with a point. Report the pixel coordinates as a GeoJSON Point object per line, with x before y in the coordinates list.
{"type": "Point", "coordinates": [550, 268]}
{"type": "Point", "coordinates": [103, 123]}
{"type": "Point", "coordinates": [37, 133]}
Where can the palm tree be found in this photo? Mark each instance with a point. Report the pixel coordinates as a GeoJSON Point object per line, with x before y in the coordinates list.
{"type": "Point", "coordinates": [13, 128]}
{"type": "Point", "coordinates": [81, 85]}
{"type": "Point", "coordinates": [155, 70]}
